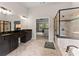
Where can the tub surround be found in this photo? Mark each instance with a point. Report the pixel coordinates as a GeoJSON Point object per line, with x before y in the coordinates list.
{"type": "Point", "coordinates": [64, 42]}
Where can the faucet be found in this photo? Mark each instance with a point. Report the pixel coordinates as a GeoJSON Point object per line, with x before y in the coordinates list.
{"type": "Point", "coordinates": [68, 47]}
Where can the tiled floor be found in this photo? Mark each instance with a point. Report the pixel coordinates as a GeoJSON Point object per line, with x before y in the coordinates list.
{"type": "Point", "coordinates": [33, 48]}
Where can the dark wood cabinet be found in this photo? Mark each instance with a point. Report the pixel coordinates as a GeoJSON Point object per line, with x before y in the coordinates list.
{"type": "Point", "coordinates": [13, 42]}
{"type": "Point", "coordinates": [9, 40]}
{"type": "Point", "coordinates": [4, 46]}
{"type": "Point", "coordinates": [27, 35]}
{"type": "Point", "coordinates": [7, 44]}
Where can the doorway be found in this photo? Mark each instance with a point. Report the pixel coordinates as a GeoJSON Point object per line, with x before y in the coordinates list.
{"type": "Point", "coordinates": [42, 28]}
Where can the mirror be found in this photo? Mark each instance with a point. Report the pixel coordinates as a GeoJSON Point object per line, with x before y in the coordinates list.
{"type": "Point", "coordinates": [5, 26]}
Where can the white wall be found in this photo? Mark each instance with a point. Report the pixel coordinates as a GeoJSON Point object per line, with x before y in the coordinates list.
{"type": "Point", "coordinates": [48, 11]}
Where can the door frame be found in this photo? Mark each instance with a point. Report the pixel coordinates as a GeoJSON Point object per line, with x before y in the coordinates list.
{"type": "Point", "coordinates": [48, 25]}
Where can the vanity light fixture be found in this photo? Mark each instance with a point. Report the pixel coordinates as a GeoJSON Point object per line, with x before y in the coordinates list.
{"type": "Point", "coordinates": [23, 17]}
{"type": "Point", "coordinates": [9, 12]}
{"type": "Point", "coordinates": [0, 10]}
{"type": "Point", "coordinates": [5, 11]}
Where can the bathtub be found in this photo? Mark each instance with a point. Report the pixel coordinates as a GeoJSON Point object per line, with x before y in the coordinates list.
{"type": "Point", "coordinates": [62, 44]}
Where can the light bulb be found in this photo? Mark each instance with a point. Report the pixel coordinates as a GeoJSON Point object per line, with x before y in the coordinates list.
{"type": "Point", "coordinates": [8, 12]}
{"type": "Point", "coordinates": [4, 11]}
{"type": "Point", "coordinates": [0, 10]}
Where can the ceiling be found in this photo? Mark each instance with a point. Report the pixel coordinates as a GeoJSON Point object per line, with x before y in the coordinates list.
{"type": "Point", "coordinates": [23, 6]}
{"type": "Point", "coordinates": [33, 4]}
{"type": "Point", "coordinates": [37, 4]}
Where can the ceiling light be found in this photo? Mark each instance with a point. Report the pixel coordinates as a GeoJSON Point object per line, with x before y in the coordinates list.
{"type": "Point", "coordinates": [4, 11]}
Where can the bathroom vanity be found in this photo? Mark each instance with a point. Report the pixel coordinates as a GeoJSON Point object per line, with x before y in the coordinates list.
{"type": "Point", "coordinates": [9, 40]}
